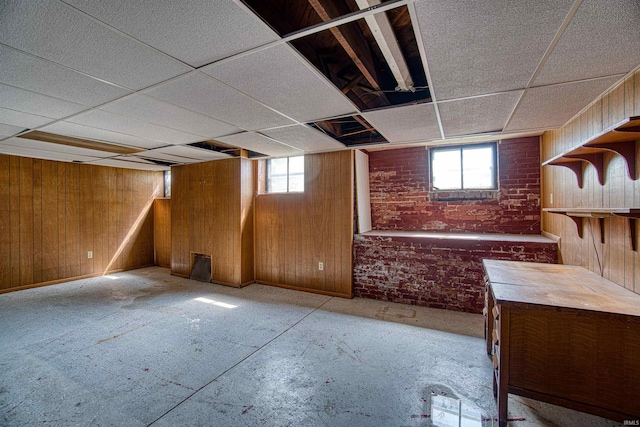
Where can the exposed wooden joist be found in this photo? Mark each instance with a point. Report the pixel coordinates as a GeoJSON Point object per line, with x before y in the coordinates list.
{"type": "Point", "coordinates": [79, 142]}
{"type": "Point", "coordinates": [383, 33]}
{"type": "Point", "coordinates": [353, 42]}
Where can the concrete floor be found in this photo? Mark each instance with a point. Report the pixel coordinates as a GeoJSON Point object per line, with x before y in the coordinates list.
{"type": "Point", "coordinates": [147, 348]}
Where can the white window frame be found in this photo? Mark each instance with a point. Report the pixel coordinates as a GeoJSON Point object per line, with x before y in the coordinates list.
{"type": "Point", "coordinates": [267, 183]}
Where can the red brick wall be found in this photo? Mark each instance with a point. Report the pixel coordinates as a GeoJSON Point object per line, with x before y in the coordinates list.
{"type": "Point", "coordinates": [439, 273]}
{"type": "Point", "coordinates": [400, 198]}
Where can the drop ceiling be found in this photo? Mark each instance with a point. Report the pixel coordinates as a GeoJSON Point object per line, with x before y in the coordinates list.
{"type": "Point", "coordinates": [158, 75]}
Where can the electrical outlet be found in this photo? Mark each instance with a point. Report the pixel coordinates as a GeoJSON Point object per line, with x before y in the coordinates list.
{"type": "Point", "coordinates": [90, 254]}
{"type": "Point", "coordinates": [321, 266]}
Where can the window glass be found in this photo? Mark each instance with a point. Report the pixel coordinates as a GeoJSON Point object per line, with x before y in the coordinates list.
{"type": "Point", "coordinates": [445, 169]}
{"type": "Point", "coordinates": [464, 167]}
{"type": "Point", "coordinates": [285, 175]}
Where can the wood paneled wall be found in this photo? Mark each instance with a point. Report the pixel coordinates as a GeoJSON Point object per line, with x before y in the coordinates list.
{"type": "Point", "coordinates": [212, 213]}
{"type": "Point", "coordinates": [618, 262]}
{"type": "Point", "coordinates": [294, 232]}
{"type": "Point", "coordinates": [162, 231]}
{"type": "Point", "coordinates": [53, 213]}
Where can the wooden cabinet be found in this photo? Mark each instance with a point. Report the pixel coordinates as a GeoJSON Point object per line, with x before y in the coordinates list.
{"type": "Point", "coordinates": [563, 335]}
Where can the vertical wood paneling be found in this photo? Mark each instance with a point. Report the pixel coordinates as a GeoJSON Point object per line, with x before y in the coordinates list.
{"type": "Point", "coordinates": [5, 224]}
{"type": "Point", "coordinates": [72, 221]}
{"type": "Point", "coordinates": [37, 222]}
{"type": "Point", "coordinates": [618, 261]}
{"type": "Point", "coordinates": [53, 213]}
{"type": "Point", "coordinates": [207, 206]}
{"type": "Point", "coordinates": [14, 215]}
{"type": "Point", "coordinates": [246, 219]}
{"type": "Point", "coordinates": [296, 231]}
{"type": "Point", "coordinates": [162, 231]}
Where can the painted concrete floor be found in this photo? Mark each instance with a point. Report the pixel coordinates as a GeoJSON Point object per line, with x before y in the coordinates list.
{"type": "Point", "coordinates": [146, 348]}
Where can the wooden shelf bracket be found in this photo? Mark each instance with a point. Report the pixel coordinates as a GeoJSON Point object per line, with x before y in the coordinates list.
{"type": "Point", "coordinates": [622, 139]}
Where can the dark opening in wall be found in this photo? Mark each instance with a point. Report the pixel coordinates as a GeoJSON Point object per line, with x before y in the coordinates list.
{"type": "Point", "coordinates": [200, 267]}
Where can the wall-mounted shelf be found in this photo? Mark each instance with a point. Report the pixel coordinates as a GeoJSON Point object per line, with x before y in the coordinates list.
{"type": "Point", "coordinates": [620, 138]}
{"type": "Point", "coordinates": [579, 214]}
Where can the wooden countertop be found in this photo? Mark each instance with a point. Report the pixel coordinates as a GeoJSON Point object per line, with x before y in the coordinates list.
{"type": "Point", "coordinates": [555, 285]}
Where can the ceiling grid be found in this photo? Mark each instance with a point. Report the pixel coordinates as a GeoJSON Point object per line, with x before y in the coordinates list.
{"type": "Point", "coordinates": [204, 70]}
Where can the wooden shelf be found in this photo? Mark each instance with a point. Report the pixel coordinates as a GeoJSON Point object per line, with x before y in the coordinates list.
{"type": "Point", "coordinates": [578, 215]}
{"type": "Point", "coordinates": [621, 138]}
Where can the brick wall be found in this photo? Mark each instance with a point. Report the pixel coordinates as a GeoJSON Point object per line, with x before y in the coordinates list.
{"type": "Point", "coordinates": [400, 198]}
{"type": "Point", "coordinates": [439, 273]}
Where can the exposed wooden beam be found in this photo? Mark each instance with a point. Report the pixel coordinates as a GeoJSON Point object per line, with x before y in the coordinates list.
{"type": "Point", "coordinates": [383, 33]}
{"type": "Point", "coordinates": [79, 142]}
{"type": "Point", "coordinates": [352, 41]}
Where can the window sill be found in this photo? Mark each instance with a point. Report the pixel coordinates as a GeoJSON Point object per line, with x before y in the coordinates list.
{"type": "Point", "coordinates": [461, 195]}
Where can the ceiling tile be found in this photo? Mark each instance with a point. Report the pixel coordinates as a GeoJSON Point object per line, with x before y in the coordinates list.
{"type": "Point", "coordinates": [477, 115]}
{"type": "Point", "coordinates": [207, 96]}
{"type": "Point", "coordinates": [116, 123]}
{"type": "Point", "coordinates": [304, 138]}
{"type": "Point", "coordinates": [128, 162]}
{"type": "Point", "coordinates": [197, 32]}
{"type": "Point", "coordinates": [261, 144]}
{"type": "Point", "coordinates": [481, 47]}
{"type": "Point", "coordinates": [56, 148]}
{"type": "Point", "coordinates": [602, 39]}
{"type": "Point", "coordinates": [8, 130]}
{"type": "Point", "coordinates": [21, 119]}
{"type": "Point", "coordinates": [552, 106]}
{"type": "Point", "coordinates": [81, 131]}
{"type": "Point", "coordinates": [34, 103]}
{"type": "Point", "coordinates": [185, 153]}
{"type": "Point", "coordinates": [37, 75]}
{"type": "Point", "coordinates": [59, 33]}
{"type": "Point", "coordinates": [17, 149]}
{"type": "Point", "coordinates": [280, 78]}
{"type": "Point", "coordinates": [161, 113]}
{"type": "Point", "coordinates": [411, 123]}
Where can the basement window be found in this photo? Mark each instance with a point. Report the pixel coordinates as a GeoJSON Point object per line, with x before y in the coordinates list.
{"type": "Point", "coordinates": [167, 183]}
{"type": "Point", "coordinates": [285, 175]}
{"type": "Point", "coordinates": [464, 167]}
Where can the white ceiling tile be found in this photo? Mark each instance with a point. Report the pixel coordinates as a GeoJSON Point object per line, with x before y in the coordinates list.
{"type": "Point", "coordinates": [186, 153]}
{"type": "Point", "coordinates": [304, 138]}
{"type": "Point", "coordinates": [37, 75]}
{"type": "Point", "coordinates": [602, 39]}
{"type": "Point", "coordinates": [19, 150]}
{"type": "Point", "coordinates": [481, 47]}
{"type": "Point", "coordinates": [197, 32]}
{"type": "Point", "coordinates": [261, 144]}
{"type": "Point", "coordinates": [552, 106]}
{"type": "Point", "coordinates": [127, 162]}
{"type": "Point", "coordinates": [161, 113]}
{"type": "Point", "coordinates": [406, 124]}
{"type": "Point", "coordinates": [207, 96]}
{"type": "Point", "coordinates": [81, 131]}
{"type": "Point", "coordinates": [477, 115]}
{"type": "Point", "coordinates": [57, 32]}
{"type": "Point", "coordinates": [116, 123]}
{"type": "Point", "coordinates": [8, 130]}
{"type": "Point", "coordinates": [280, 78]}
{"type": "Point", "coordinates": [21, 119]}
{"type": "Point", "coordinates": [34, 103]}
{"type": "Point", "coordinates": [56, 148]}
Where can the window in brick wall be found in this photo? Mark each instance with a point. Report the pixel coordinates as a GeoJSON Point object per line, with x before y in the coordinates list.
{"type": "Point", "coordinates": [464, 167]}
{"type": "Point", "coordinates": [285, 175]}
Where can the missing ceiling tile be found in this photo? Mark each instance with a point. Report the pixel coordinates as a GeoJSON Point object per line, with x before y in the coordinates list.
{"type": "Point", "coordinates": [351, 131]}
